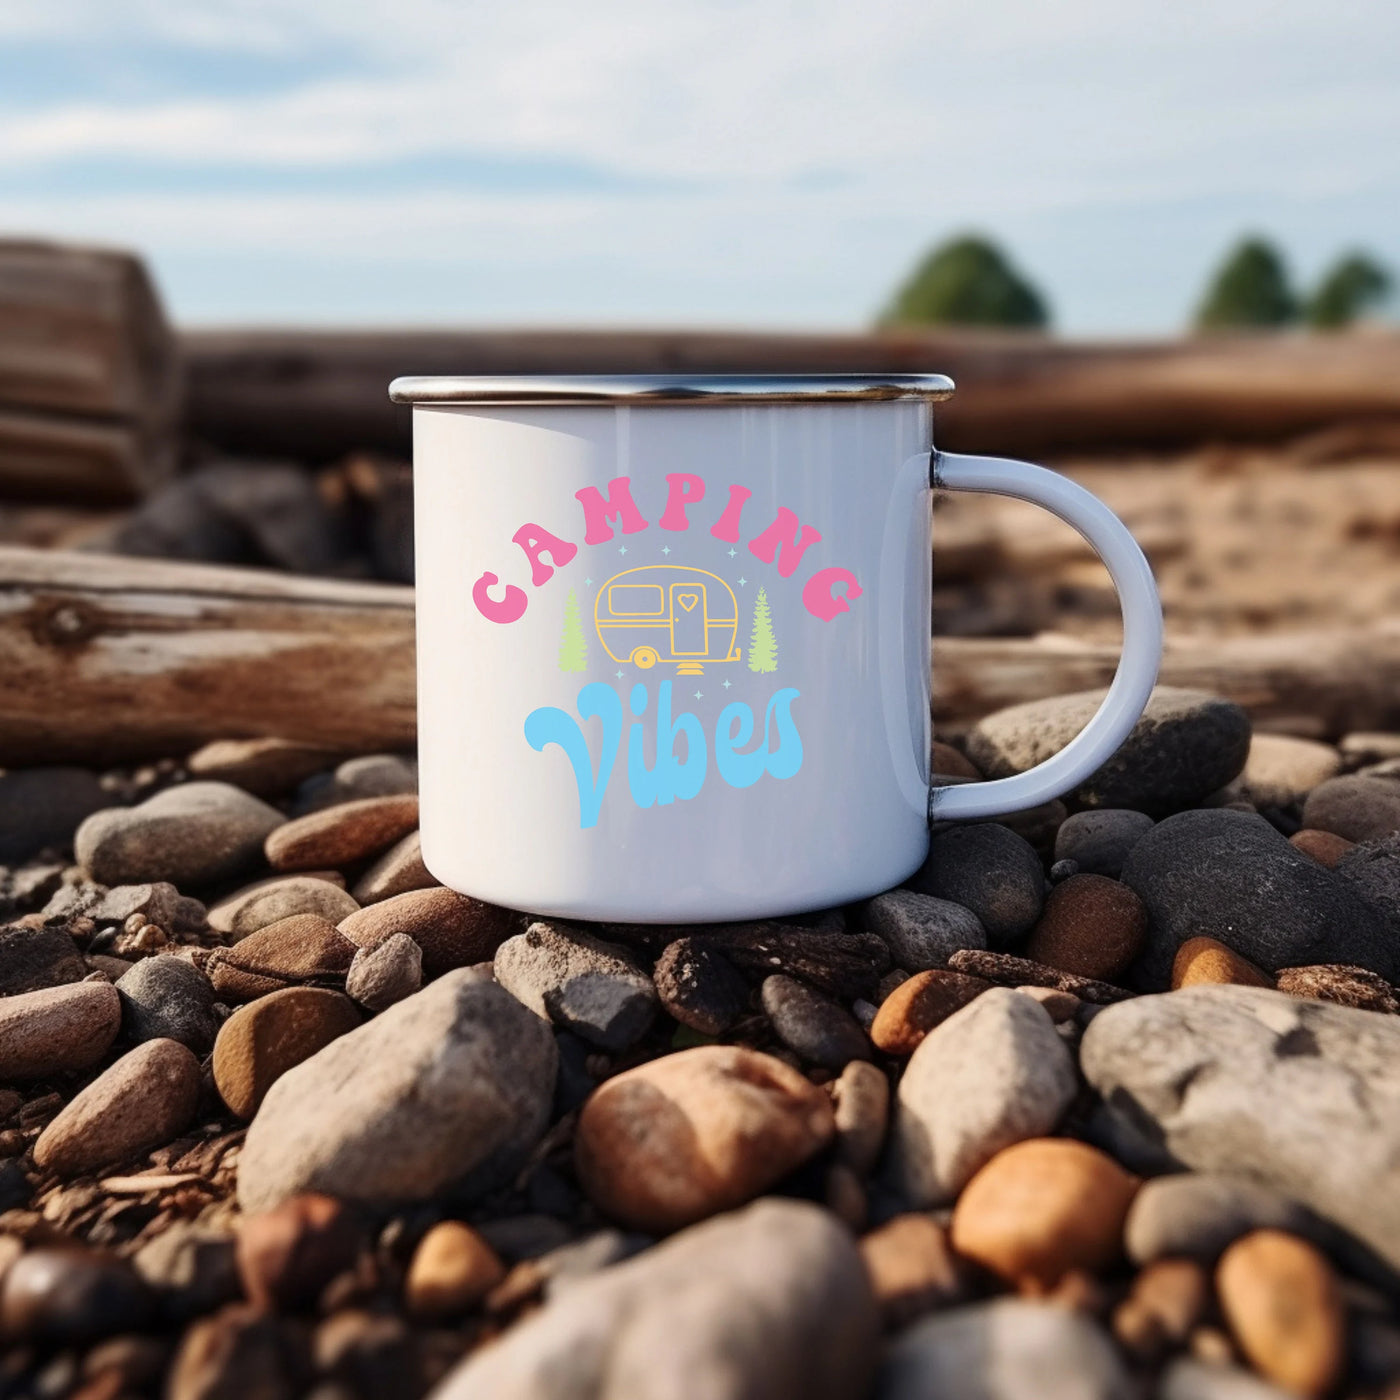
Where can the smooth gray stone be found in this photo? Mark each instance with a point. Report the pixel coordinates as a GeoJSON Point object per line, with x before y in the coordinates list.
{"type": "Point", "coordinates": [921, 930]}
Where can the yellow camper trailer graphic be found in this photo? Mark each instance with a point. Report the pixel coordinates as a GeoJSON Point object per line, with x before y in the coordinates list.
{"type": "Point", "coordinates": [668, 612]}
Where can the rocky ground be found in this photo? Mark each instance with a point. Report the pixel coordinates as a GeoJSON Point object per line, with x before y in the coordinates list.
{"type": "Point", "coordinates": [1104, 1103]}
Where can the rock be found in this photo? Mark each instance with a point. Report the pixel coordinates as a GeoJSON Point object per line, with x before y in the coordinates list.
{"type": "Point", "coordinates": [157, 900]}
{"type": "Point", "coordinates": [264, 767]}
{"type": "Point", "coordinates": [1233, 874]}
{"type": "Point", "coordinates": [921, 931]}
{"type": "Point", "coordinates": [57, 1029]}
{"type": "Point", "coordinates": [1044, 1208]}
{"type": "Point", "coordinates": [267, 902]}
{"type": "Point", "coordinates": [1355, 807]}
{"type": "Point", "coordinates": [238, 1352]}
{"type": "Point", "coordinates": [991, 871]}
{"type": "Point", "coordinates": [1186, 745]}
{"type": "Point", "coordinates": [1059, 1006]}
{"type": "Point", "coordinates": [260, 1042]}
{"type": "Point", "coordinates": [34, 958]}
{"type": "Point", "coordinates": [375, 775]}
{"type": "Point", "coordinates": [861, 1100]}
{"type": "Point", "coordinates": [42, 808]}
{"type": "Point", "coordinates": [385, 972]}
{"type": "Point", "coordinates": [1168, 1298]}
{"type": "Point", "coordinates": [1009, 971]}
{"type": "Point", "coordinates": [146, 1098]}
{"type": "Point", "coordinates": [947, 762]}
{"type": "Point", "coordinates": [919, 1004]}
{"type": "Point", "coordinates": [1300, 1095]}
{"type": "Point", "coordinates": [301, 951]}
{"type": "Point", "coordinates": [1004, 1350]}
{"type": "Point", "coordinates": [739, 1308]}
{"type": "Point", "coordinates": [340, 835]}
{"type": "Point", "coordinates": [190, 1265]}
{"type": "Point", "coordinates": [452, 1270]}
{"type": "Point", "coordinates": [192, 834]}
{"type": "Point", "coordinates": [813, 1027]}
{"type": "Point", "coordinates": [1372, 869]}
{"type": "Point", "coordinates": [1189, 1379]}
{"type": "Point", "coordinates": [993, 1074]}
{"type": "Point", "coordinates": [574, 1262]}
{"type": "Point", "coordinates": [444, 1092]}
{"type": "Point", "coordinates": [398, 871]}
{"type": "Point", "coordinates": [913, 1269]}
{"type": "Point", "coordinates": [1345, 986]}
{"type": "Point", "coordinates": [844, 965]}
{"type": "Point", "coordinates": [1099, 840]}
{"type": "Point", "coordinates": [589, 987]}
{"type": "Point", "coordinates": [1202, 960]}
{"type": "Point", "coordinates": [25, 888]}
{"type": "Point", "coordinates": [1284, 1308]}
{"type": "Point", "coordinates": [686, 1136]}
{"type": "Point", "coordinates": [286, 1255]}
{"type": "Point", "coordinates": [453, 930]}
{"type": "Point", "coordinates": [699, 987]}
{"type": "Point", "coordinates": [1282, 770]}
{"type": "Point", "coordinates": [167, 998]}
{"type": "Point", "coordinates": [65, 1296]}
{"type": "Point", "coordinates": [1091, 926]}
{"type": "Point", "coordinates": [1325, 848]}
{"type": "Point", "coordinates": [1198, 1215]}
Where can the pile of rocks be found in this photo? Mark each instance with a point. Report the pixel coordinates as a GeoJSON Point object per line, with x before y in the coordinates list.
{"type": "Point", "coordinates": [1105, 1102]}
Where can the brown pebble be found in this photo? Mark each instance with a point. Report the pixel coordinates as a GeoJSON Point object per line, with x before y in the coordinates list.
{"type": "Point", "coordinates": [70, 1296]}
{"type": "Point", "coordinates": [1059, 1006]}
{"type": "Point", "coordinates": [949, 763]}
{"type": "Point", "coordinates": [1283, 1304]}
{"type": "Point", "coordinates": [681, 1138]}
{"type": "Point", "coordinates": [1168, 1298]}
{"type": "Point", "coordinates": [452, 1270]}
{"type": "Point", "coordinates": [1091, 927]}
{"type": "Point", "coordinates": [147, 1098]}
{"type": "Point", "coordinates": [264, 767]}
{"type": "Point", "coordinates": [300, 951]}
{"type": "Point", "coordinates": [260, 1042]}
{"type": "Point", "coordinates": [1042, 1208]}
{"type": "Point", "coordinates": [1007, 970]}
{"type": "Point", "coordinates": [861, 1102]}
{"type": "Point", "coordinates": [288, 1254]}
{"type": "Point", "coordinates": [340, 835]}
{"type": "Point", "coordinates": [453, 930]}
{"type": "Point", "coordinates": [920, 1003]}
{"type": "Point", "coordinates": [1204, 960]}
{"type": "Point", "coordinates": [267, 902]}
{"type": "Point", "coordinates": [1325, 847]}
{"type": "Point", "coordinates": [912, 1268]}
{"type": "Point", "coordinates": [57, 1028]}
{"type": "Point", "coordinates": [1356, 987]}
{"type": "Point", "coordinates": [845, 1196]}
{"type": "Point", "coordinates": [399, 870]}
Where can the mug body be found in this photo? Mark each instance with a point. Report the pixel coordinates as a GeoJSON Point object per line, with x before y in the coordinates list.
{"type": "Point", "coordinates": [673, 658]}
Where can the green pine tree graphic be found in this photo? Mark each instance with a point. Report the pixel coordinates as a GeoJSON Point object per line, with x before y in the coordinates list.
{"type": "Point", "coordinates": [763, 645]}
{"type": "Point", "coordinates": [573, 647]}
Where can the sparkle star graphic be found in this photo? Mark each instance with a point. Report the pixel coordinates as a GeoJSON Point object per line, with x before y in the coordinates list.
{"type": "Point", "coordinates": [588, 583]}
{"type": "Point", "coordinates": [732, 553]}
{"type": "Point", "coordinates": [698, 695]}
{"type": "Point", "coordinates": [742, 582]}
{"type": "Point", "coordinates": [727, 684]}
{"type": "Point", "coordinates": [622, 549]}
{"type": "Point", "coordinates": [665, 549]}
{"type": "Point", "coordinates": [619, 675]}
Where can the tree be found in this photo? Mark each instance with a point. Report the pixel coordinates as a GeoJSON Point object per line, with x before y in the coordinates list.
{"type": "Point", "coordinates": [1354, 284]}
{"type": "Point", "coordinates": [573, 646]}
{"type": "Point", "coordinates": [1250, 289]}
{"type": "Point", "coordinates": [763, 645]}
{"type": "Point", "coordinates": [966, 282]}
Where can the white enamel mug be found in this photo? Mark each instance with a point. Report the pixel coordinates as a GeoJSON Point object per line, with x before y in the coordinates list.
{"type": "Point", "coordinates": [673, 639]}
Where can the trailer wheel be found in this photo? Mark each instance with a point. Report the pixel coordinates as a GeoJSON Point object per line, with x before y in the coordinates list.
{"type": "Point", "coordinates": [644, 658]}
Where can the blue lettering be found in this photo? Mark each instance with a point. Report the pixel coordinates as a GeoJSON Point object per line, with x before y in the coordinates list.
{"type": "Point", "coordinates": [550, 725]}
{"type": "Point", "coordinates": [670, 778]}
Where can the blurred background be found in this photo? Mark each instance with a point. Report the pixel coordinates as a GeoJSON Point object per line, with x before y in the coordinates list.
{"type": "Point", "coordinates": [1155, 245]}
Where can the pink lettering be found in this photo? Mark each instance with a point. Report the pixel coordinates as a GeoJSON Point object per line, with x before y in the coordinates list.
{"type": "Point", "coordinates": [508, 609]}
{"type": "Point", "coordinates": [727, 526]}
{"type": "Point", "coordinates": [784, 532]}
{"type": "Point", "coordinates": [619, 506]}
{"type": "Point", "coordinates": [535, 540]}
{"type": "Point", "coordinates": [819, 594]}
{"type": "Point", "coordinates": [686, 489]}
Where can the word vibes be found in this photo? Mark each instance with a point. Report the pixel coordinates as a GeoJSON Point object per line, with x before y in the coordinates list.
{"type": "Point", "coordinates": [671, 777]}
{"type": "Point", "coordinates": [826, 594]}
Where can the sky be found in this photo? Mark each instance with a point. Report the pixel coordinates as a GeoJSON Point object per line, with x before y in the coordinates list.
{"type": "Point", "coordinates": [775, 163]}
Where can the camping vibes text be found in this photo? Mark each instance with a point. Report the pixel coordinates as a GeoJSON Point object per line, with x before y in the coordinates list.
{"type": "Point", "coordinates": [828, 592]}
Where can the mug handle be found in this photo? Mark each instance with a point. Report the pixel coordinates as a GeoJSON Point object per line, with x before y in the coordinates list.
{"type": "Point", "coordinates": [1132, 684]}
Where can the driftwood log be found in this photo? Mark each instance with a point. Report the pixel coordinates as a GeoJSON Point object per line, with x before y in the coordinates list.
{"type": "Point", "coordinates": [89, 375]}
{"type": "Point", "coordinates": [109, 659]}
{"type": "Point", "coordinates": [317, 395]}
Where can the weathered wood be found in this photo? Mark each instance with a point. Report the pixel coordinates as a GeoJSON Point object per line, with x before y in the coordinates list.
{"type": "Point", "coordinates": [85, 351]}
{"type": "Point", "coordinates": [104, 660]}
{"type": "Point", "coordinates": [320, 394]}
